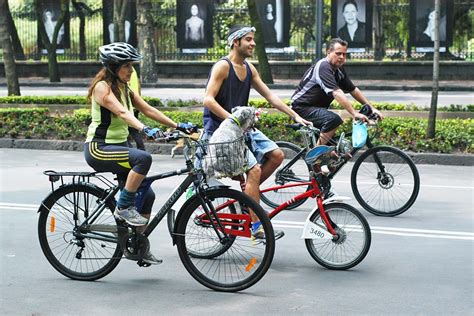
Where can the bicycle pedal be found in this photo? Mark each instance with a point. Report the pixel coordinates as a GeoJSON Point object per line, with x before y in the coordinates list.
{"type": "Point", "coordinates": [143, 264]}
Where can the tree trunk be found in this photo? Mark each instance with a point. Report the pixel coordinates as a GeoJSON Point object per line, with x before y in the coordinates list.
{"type": "Point", "coordinates": [431, 131]}
{"type": "Point", "coordinates": [120, 8]}
{"type": "Point", "coordinates": [263, 65]}
{"type": "Point", "coordinates": [17, 48]}
{"type": "Point", "coordinates": [82, 26]}
{"type": "Point", "coordinates": [146, 44]}
{"type": "Point", "coordinates": [379, 52]}
{"type": "Point", "coordinates": [6, 44]}
{"type": "Point", "coordinates": [53, 67]}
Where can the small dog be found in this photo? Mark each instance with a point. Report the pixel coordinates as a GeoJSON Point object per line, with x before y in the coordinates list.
{"type": "Point", "coordinates": [224, 160]}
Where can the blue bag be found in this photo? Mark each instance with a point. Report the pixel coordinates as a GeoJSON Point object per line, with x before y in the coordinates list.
{"type": "Point", "coordinates": [359, 134]}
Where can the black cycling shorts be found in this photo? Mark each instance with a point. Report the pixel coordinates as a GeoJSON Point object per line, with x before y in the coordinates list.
{"type": "Point", "coordinates": [116, 158]}
{"type": "Point", "coordinates": [322, 118]}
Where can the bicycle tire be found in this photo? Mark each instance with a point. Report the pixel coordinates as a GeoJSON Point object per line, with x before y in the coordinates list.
{"type": "Point", "coordinates": [243, 263]}
{"type": "Point", "coordinates": [353, 243]}
{"type": "Point", "coordinates": [57, 220]}
{"type": "Point", "coordinates": [299, 170]}
{"type": "Point", "coordinates": [394, 191]}
{"type": "Point", "coordinates": [206, 253]}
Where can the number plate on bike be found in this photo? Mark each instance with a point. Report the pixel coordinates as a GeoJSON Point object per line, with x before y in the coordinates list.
{"type": "Point", "coordinates": [313, 231]}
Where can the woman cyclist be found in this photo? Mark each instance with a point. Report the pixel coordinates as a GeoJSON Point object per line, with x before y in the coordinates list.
{"type": "Point", "coordinates": [106, 149]}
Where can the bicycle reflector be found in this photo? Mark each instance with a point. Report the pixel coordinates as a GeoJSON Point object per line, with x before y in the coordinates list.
{"type": "Point", "coordinates": [52, 224]}
{"type": "Point", "coordinates": [251, 264]}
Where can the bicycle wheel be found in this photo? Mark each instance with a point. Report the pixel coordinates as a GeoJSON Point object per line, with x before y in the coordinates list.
{"type": "Point", "coordinates": [288, 172]}
{"type": "Point", "coordinates": [352, 244]}
{"type": "Point", "coordinates": [87, 255]}
{"type": "Point", "coordinates": [385, 181]}
{"type": "Point", "coordinates": [200, 241]}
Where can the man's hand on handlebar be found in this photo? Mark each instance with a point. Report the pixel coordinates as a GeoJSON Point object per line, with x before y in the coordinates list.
{"type": "Point", "coordinates": [371, 112]}
{"type": "Point", "coordinates": [187, 128]}
{"type": "Point", "coordinates": [376, 114]}
{"type": "Point", "coordinates": [298, 119]}
{"type": "Point", "coordinates": [152, 133]}
{"type": "Point", "coordinates": [360, 116]}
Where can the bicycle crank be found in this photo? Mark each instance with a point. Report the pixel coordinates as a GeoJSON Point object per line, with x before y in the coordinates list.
{"type": "Point", "coordinates": [134, 245]}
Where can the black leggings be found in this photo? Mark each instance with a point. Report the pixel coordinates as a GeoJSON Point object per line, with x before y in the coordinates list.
{"type": "Point", "coordinates": [116, 158]}
{"type": "Point", "coordinates": [120, 159]}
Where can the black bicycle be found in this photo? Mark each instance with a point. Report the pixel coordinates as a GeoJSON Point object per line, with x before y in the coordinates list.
{"type": "Point", "coordinates": [384, 180]}
{"type": "Point", "coordinates": [82, 239]}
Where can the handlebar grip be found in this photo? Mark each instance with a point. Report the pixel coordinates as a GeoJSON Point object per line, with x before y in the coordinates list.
{"type": "Point", "coordinates": [295, 126]}
{"type": "Point", "coordinates": [374, 117]}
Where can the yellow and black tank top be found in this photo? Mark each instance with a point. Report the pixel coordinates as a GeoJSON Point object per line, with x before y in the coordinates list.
{"type": "Point", "coordinates": [106, 126]}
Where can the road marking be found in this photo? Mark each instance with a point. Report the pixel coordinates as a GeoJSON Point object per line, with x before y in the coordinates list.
{"type": "Point", "coordinates": [18, 206]}
{"type": "Point", "coordinates": [396, 231]}
{"type": "Point", "coordinates": [422, 185]}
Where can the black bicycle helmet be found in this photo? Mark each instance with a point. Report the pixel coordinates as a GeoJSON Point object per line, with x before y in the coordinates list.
{"type": "Point", "coordinates": [118, 53]}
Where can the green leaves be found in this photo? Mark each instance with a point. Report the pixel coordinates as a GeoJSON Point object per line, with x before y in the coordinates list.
{"type": "Point", "coordinates": [452, 135]}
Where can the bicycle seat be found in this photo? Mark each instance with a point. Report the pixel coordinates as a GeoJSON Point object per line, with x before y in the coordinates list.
{"type": "Point", "coordinates": [318, 152]}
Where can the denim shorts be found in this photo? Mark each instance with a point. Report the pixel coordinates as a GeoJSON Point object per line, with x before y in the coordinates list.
{"type": "Point", "coordinates": [258, 144]}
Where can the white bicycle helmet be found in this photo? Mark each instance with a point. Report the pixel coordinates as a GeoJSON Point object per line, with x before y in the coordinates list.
{"type": "Point", "coordinates": [118, 53]}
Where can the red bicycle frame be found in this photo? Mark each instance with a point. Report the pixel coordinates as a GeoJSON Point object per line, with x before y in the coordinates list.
{"type": "Point", "coordinates": [314, 192]}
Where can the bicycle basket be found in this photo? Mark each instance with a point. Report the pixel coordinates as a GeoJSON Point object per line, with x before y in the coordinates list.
{"type": "Point", "coordinates": [225, 159]}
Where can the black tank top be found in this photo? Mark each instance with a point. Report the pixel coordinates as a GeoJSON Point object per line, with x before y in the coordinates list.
{"type": "Point", "coordinates": [233, 93]}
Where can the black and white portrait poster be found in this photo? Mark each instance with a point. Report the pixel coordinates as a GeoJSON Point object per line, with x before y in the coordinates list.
{"type": "Point", "coordinates": [422, 23]}
{"type": "Point", "coordinates": [50, 12]}
{"type": "Point", "coordinates": [130, 26]}
{"type": "Point", "coordinates": [275, 19]}
{"type": "Point", "coordinates": [352, 22]}
{"type": "Point", "coordinates": [194, 23]}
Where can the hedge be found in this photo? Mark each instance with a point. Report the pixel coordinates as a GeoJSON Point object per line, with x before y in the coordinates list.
{"type": "Point", "coordinates": [452, 135]}
{"type": "Point", "coordinates": [259, 103]}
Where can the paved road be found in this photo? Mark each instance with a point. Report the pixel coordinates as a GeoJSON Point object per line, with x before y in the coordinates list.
{"type": "Point", "coordinates": [419, 262]}
{"type": "Point", "coordinates": [420, 98]}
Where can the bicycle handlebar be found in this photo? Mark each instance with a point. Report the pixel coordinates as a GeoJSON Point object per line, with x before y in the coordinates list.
{"type": "Point", "coordinates": [176, 135]}
{"type": "Point", "coordinates": [298, 126]}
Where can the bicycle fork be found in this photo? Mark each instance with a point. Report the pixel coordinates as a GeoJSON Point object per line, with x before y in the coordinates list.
{"type": "Point", "coordinates": [325, 230]}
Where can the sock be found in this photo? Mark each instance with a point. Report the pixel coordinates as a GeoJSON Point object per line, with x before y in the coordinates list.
{"type": "Point", "coordinates": [126, 199]}
{"type": "Point", "coordinates": [255, 226]}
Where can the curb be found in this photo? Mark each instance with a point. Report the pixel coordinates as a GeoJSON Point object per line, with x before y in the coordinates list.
{"type": "Point", "coordinates": [165, 149]}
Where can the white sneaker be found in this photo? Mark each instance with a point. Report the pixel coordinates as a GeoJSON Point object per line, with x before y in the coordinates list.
{"type": "Point", "coordinates": [151, 259]}
{"type": "Point", "coordinates": [131, 216]}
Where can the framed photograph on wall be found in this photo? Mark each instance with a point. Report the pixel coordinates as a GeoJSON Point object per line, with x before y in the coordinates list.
{"type": "Point", "coordinates": [422, 20]}
{"type": "Point", "coordinates": [194, 23]}
{"type": "Point", "coordinates": [129, 23]}
{"type": "Point", "coordinates": [275, 19]}
{"type": "Point", "coordinates": [50, 12]}
{"type": "Point", "coordinates": [352, 21]}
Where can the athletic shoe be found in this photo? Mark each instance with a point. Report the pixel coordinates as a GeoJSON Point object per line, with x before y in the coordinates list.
{"type": "Point", "coordinates": [131, 216]}
{"type": "Point", "coordinates": [258, 234]}
{"type": "Point", "coordinates": [151, 259]}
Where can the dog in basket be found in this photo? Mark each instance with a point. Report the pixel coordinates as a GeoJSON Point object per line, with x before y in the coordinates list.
{"type": "Point", "coordinates": [226, 156]}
